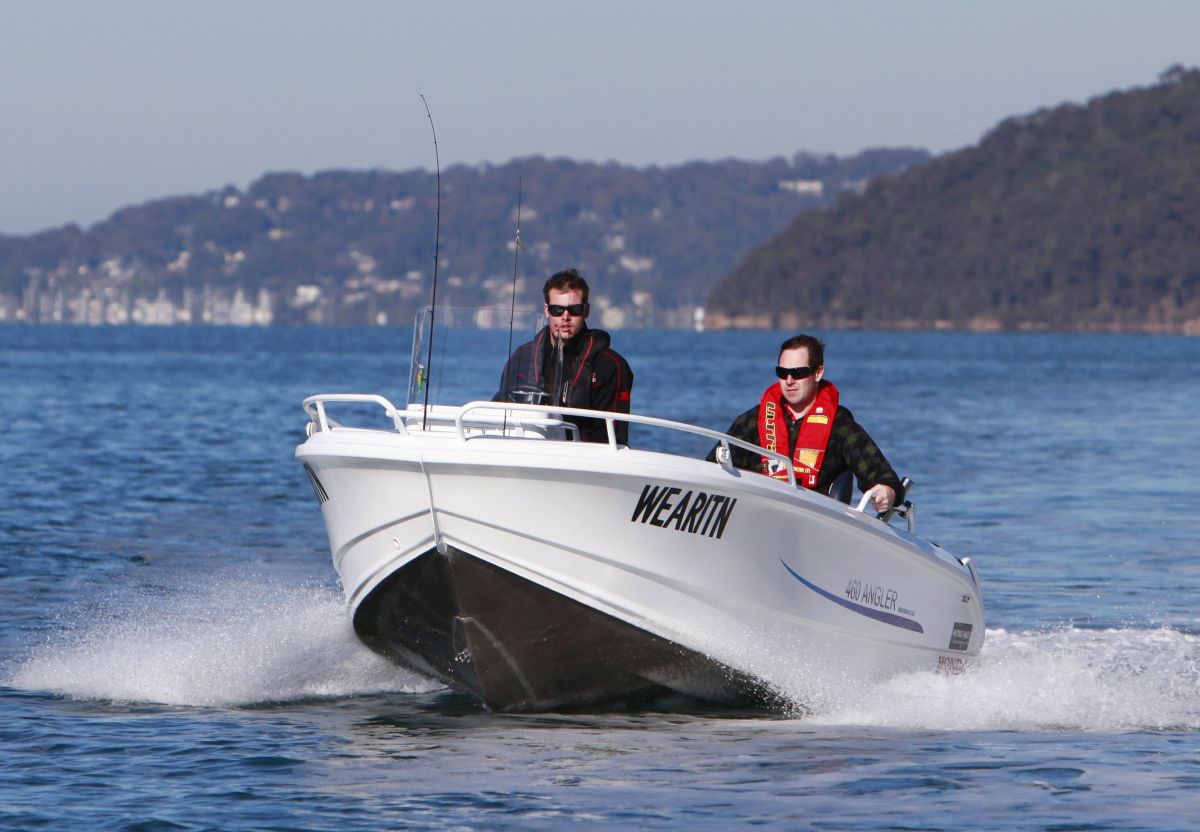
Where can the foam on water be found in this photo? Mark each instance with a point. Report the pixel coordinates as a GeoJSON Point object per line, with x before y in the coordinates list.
{"type": "Point", "coordinates": [240, 641]}
{"type": "Point", "coordinates": [230, 641]}
{"type": "Point", "coordinates": [1067, 679]}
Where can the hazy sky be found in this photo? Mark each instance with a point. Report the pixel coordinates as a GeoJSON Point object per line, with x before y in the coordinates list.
{"type": "Point", "coordinates": [105, 103]}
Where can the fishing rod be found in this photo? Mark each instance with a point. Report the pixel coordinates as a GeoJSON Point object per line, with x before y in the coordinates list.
{"type": "Point", "coordinates": [437, 239]}
{"type": "Point", "coordinates": [512, 309]}
{"type": "Point", "coordinates": [517, 246]}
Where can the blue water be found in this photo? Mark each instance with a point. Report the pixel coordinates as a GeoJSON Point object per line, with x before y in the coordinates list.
{"type": "Point", "coordinates": [174, 654]}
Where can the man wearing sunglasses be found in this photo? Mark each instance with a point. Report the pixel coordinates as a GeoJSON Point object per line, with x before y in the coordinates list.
{"type": "Point", "coordinates": [800, 417]}
{"type": "Point", "coordinates": [568, 364]}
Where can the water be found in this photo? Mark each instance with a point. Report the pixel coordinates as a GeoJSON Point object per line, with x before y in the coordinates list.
{"type": "Point", "coordinates": [174, 654]}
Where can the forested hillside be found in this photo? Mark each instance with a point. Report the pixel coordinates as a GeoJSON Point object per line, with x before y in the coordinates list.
{"type": "Point", "coordinates": [357, 246]}
{"type": "Point", "coordinates": [1076, 217]}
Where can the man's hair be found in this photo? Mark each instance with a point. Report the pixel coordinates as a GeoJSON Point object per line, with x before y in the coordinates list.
{"type": "Point", "coordinates": [568, 280]}
{"type": "Point", "coordinates": [816, 348]}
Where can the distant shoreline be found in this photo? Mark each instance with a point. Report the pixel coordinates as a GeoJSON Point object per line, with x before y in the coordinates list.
{"type": "Point", "coordinates": [1189, 328]}
{"type": "Point", "coordinates": [792, 322]}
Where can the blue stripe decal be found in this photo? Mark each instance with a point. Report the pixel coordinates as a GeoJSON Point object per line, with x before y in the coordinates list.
{"type": "Point", "coordinates": [869, 612]}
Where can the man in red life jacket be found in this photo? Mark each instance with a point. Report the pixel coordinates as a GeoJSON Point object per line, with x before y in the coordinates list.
{"type": "Point", "coordinates": [568, 364]}
{"type": "Point", "coordinates": [801, 418]}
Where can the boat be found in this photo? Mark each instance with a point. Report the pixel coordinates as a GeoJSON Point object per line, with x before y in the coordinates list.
{"type": "Point", "coordinates": [480, 545]}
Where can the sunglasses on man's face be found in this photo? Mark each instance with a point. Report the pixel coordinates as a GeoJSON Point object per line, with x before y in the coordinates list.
{"type": "Point", "coordinates": [556, 309]}
{"type": "Point", "coordinates": [795, 372]}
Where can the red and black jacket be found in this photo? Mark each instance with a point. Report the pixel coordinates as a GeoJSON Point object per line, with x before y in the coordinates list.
{"type": "Point", "coordinates": [804, 440]}
{"type": "Point", "coordinates": [850, 447]}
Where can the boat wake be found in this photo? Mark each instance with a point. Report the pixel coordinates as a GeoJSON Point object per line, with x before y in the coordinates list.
{"type": "Point", "coordinates": [234, 642]}
{"type": "Point", "coordinates": [228, 642]}
{"type": "Point", "coordinates": [1069, 679]}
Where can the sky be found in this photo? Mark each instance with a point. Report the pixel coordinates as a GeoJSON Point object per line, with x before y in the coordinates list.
{"type": "Point", "coordinates": [113, 103]}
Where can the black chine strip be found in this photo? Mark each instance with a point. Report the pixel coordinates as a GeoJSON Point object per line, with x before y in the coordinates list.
{"type": "Point", "coordinates": [318, 489]}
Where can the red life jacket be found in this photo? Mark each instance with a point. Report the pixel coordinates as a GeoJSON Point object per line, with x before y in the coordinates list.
{"type": "Point", "coordinates": [811, 441]}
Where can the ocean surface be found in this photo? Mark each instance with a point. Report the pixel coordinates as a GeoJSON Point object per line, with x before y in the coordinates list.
{"type": "Point", "coordinates": [175, 653]}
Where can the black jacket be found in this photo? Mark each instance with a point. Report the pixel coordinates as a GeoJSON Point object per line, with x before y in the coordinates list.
{"type": "Point", "coordinates": [593, 376]}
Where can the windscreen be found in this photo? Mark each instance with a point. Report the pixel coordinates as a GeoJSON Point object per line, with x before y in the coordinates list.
{"type": "Point", "coordinates": [470, 348]}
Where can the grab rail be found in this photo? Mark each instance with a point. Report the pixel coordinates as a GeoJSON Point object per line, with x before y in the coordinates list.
{"type": "Point", "coordinates": [314, 406]}
{"type": "Point", "coordinates": [723, 439]}
{"type": "Point", "coordinates": [904, 508]}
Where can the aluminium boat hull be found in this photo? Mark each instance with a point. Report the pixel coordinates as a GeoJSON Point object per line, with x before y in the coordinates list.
{"type": "Point", "coordinates": [539, 574]}
{"type": "Point", "coordinates": [518, 646]}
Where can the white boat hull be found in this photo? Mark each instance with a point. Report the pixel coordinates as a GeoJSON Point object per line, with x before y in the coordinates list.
{"type": "Point", "coordinates": [542, 574]}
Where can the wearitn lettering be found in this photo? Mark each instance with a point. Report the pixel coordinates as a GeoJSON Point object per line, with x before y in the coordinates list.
{"type": "Point", "coordinates": [693, 512]}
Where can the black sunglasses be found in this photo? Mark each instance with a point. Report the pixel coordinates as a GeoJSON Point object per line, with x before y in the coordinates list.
{"type": "Point", "coordinates": [556, 309]}
{"type": "Point", "coordinates": [795, 372]}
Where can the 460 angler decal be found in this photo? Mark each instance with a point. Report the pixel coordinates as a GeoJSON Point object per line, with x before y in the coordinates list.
{"type": "Point", "coordinates": [695, 512]}
{"type": "Point", "coordinates": [884, 598]}
{"type": "Point", "coordinates": [875, 595]}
